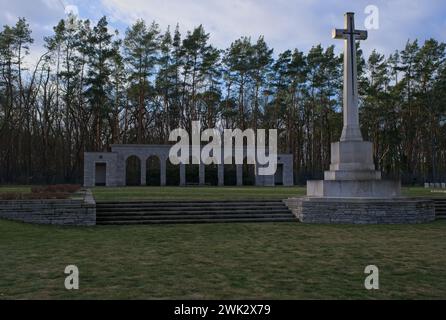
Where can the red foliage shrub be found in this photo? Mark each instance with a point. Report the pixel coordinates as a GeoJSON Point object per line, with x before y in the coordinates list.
{"type": "Point", "coordinates": [48, 195]}
{"type": "Point", "coordinates": [37, 190]}
{"type": "Point", "coordinates": [58, 188]}
{"type": "Point", "coordinates": [11, 196]}
{"type": "Point", "coordinates": [59, 191]}
{"type": "Point", "coordinates": [34, 196]}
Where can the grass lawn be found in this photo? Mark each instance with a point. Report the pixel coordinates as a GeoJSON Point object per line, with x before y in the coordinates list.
{"type": "Point", "coordinates": [215, 193]}
{"type": "Point", "coordinates": [232, 261]}
{"type": "Point", "coordinates": [8, 188]}
{"type": "Point", "coordinates": [196, 193]}
{"type": "Point", "coordinates": [271, 261]}
{"type": "Point", "coordinates": [209, 193]}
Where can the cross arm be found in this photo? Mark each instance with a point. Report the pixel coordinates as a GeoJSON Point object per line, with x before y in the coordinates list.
{"type": "Point", "coordinates": [361, 35]}
{"type": "Point", "coordinates": [344, 34]}
{"type": "Point", "coordinates": [338, 34]}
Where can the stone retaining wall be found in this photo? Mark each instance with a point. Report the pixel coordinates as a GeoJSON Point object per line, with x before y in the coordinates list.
{"type": "Point", "coordinates": [79, 211]}
{"type": "Point", "coordinates": [361, 211]}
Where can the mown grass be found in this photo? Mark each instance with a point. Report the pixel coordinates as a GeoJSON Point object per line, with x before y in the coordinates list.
{"type": "Point", "coordinates": [215, 193]}
{"type": "Point", "coordinates": [230, 261]}
{"type": "Point", "coordinates": [196, 193]}
{"type": "Point", "coordinates": [14, 188]}
{"type": "Point", "coordinates": [210, 193]}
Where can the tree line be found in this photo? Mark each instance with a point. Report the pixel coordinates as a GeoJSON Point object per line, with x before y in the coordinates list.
{"type": "Point", "coordinates": [94, 87]}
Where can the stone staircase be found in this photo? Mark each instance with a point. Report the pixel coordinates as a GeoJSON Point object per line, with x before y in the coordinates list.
{"type": "Point", "coordinates": [158, 212]}
{"type": "Point", "coordinates": [440, 208]}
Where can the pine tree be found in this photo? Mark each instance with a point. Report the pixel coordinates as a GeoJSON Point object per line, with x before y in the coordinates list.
{"type": "Point", "coordinates": [141, 50]}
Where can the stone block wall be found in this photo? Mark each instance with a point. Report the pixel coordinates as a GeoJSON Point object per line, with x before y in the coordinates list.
{"type": "Point", "coordinates": [115, 162]}
{"type": "Point", "coordinates": [361, 211]}
{"type": "Point", "coordinates": [74, 212]}
{"type": "Point", "coordinates": [111, 162]}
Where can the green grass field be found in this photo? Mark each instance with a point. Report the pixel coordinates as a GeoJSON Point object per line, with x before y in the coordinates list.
{"type": "Point", "coordinates": [196, 193]}
{"type": "Point", "coordinates": [208, 193]}
{"type": "Point", "coordinates": [232, 261]}
{"type": "Point", "coordinates": [215, 193]}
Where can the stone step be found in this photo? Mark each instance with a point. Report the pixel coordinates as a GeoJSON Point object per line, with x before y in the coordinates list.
{"type": "Point", "coordinates": [194, 217]}
{"type": "Point", "coordinates": [196, 221]}
{"type": "Point", "coordinates": [201, 208]}
{"type": "Point", "coordinates": [189, 201]}
{"type": "Point", "coordinates": [189, 208]}
{"type": "Point", "coordinates": [184, 211]}
{"type": "Point", "coordinates": [156, 212]}
{"type": "Point", "coordinates": [187, 204]}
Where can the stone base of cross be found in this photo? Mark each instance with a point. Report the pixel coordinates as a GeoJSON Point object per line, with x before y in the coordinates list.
{"type": "Point", "coordinates": [352, 171]}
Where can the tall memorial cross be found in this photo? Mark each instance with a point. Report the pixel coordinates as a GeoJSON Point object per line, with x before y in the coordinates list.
{"type": "Point", "coordinates": [351, 130]}
{"type": "Point", "coordinates": [352, 180]}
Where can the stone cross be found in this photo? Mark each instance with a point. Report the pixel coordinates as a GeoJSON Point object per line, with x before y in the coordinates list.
{"type": "Point", "coordinates": [351, 130]}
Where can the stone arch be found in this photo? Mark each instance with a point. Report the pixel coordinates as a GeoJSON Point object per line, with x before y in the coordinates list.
{"type": "Point", "coordinates": [230, 174]}
{"type": "Point", "coordinates": [192, 172]}
{"type": "Point", "coordinates": [153, 171]}
{"type": "Point", "coordinates": [172, 174]}
{"type": "Point", "coordinates": [249, 172]}
{"type": "Point", "coordinates": [133, 171]}
{"type": "Point", "coordinates": [279, 175]}
{"type": "Point", "coordinates": [211, 174]}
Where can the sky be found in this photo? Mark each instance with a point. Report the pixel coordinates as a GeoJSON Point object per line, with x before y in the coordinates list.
{"type": "Point", "coordinates": [285, 24]}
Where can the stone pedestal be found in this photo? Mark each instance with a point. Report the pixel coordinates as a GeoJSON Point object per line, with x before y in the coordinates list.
{"type": "Point", "coordinates": [352, 174]}
{"type": "Point", "coordinates": [352, 160]}
{"type": "Point", "coordinates": [352, 156]}
{"type": "Point", "coordinates": [354, 188]}
{"type": "Point", "coordinates": [362, 211]}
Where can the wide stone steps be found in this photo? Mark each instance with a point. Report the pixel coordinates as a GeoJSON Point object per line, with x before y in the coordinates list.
{"type": "Point", "coordinates": [178, 211]}
{"type": "Point", "coordinates": [188, 204]}
{"type": "Point", "coordinates": [131, 213]}
{"type": "Point", "coordinates": [440, 208]}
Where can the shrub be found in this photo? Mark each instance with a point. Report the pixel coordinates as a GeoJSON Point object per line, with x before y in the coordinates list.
{"type": "Point", "coordinates": [34, 196]}
{"type": "Point", "coordinates": [48, 195]}
{"type": "Point", "coordinates": [11, 196]}
{"type": "Point", "coordinates": [59, 191]}
{"type": "Point", "coordinates": [58, 188]}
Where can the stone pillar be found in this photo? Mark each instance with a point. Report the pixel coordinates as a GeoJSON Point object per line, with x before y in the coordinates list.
{"type": "Point", "coordinates": [143, 172]}
{"type": "Point", "coordinates": [121, 173]}
{"type": "Point", "coordinates": [288, 173]}
{"type": "Point", "coordinates": [239, 169]}
{"type": "Point", "coordinates": [257, 179]}
{"type": "Point", "coordinates": [89, 170]}
{"type": "Point", "coordinates": [182, 174]}
{"type": "Point", "coordinates": [269, 181]}
{"type": "Point", "coordinates": [201, 174]}
{"type": "Point", "coordinates": [163, 172]}
{"type": "Point", "coordinates": [221, 175]}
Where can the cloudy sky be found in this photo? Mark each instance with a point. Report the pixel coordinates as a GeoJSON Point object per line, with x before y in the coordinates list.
{"type": "Point", "coordinates": [284, 23]}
